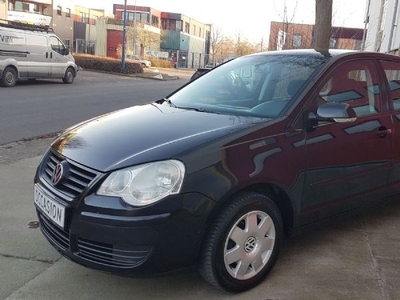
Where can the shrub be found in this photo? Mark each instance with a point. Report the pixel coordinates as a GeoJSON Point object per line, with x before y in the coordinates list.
{"type": "Point", "coordinates": [92, 62]}
{"type": "Point", "coordinates": [161, 63]}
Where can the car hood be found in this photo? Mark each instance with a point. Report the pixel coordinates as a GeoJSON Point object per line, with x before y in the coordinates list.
{"type": "Point", "coordinates": [141, 134]}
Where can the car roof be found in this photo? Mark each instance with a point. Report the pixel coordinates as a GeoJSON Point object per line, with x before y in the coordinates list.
{"type": "Point", "coordinates": [330, 53]}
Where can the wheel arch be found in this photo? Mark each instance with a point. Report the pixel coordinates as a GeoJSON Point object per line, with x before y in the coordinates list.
{"type": "Point", "coordinates": [9, 66]}
{"type": "Point", "coordinates": [272, 191]}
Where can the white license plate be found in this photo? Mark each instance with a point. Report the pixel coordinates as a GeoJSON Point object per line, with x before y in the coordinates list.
{"type": "Point", "coordinates": [49, 207]}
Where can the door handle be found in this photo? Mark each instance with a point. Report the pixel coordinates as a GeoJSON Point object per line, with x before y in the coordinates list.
{"type": "Point", "coordinates": [383, 132]}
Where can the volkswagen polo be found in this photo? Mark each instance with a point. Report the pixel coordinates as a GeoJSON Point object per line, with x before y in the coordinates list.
{"type": "Point", "coordinates": [218, 173]}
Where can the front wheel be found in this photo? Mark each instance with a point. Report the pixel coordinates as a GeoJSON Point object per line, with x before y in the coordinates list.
{"type": "Point", "coordinates": [9, 77]}
{"type": "Point", "coordinates": [243, 243]}
{"type": "Point", "coordinates": [69, 76]}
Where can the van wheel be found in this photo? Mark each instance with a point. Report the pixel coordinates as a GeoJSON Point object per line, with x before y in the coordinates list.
{"type": "Point", "coordinates": [69, 76]}
{"type": "Point", "coordinates": [9, 77]}
{"type": "Point", "coordinates": [243, 243]}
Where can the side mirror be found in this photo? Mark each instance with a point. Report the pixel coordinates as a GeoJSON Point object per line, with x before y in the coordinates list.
{"type": "Point", "coordinates": [66, 51]}
{"type": "Point", "coordinates": [332, 112]}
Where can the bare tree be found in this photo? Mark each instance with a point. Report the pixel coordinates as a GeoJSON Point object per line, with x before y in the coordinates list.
{"type": "Point", "coordinates": [216, 42]}
{"type": "Point", "coordinates": [323, 24]}
{"type": "Point", "coordinates": [286, 22]}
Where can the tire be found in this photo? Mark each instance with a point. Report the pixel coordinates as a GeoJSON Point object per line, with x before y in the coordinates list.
{"type": "Point", "coordinates": [69, 76]}
{"type": "Point", "coordinates": [242, 244]}
{"type": "Point", "coordinates": [9, 77]}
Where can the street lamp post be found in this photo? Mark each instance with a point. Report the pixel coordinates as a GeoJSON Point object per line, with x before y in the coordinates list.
{"type": "Point", "coordinates": [134, 31]}
{"type": "Point", "coordinates": [123, 40]}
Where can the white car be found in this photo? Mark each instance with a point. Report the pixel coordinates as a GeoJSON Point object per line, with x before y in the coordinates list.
{"type": "Point", "coordinates": [144, 62]}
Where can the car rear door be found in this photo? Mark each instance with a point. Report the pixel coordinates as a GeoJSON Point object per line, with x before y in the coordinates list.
{"type": "Point", "coordinates": [348, 164]}
{"type": "Point", "coordinates": [391, 71]}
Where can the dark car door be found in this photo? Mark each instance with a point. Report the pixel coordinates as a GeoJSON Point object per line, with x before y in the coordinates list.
{"type": "Point", "coordinates": [348, 164]}
{"type": "Point", "coordinates": [391, 70]}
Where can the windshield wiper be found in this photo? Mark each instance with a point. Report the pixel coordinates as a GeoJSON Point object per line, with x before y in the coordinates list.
{"type": "Point", "coordinates": [161, 101]}
{"type": "Point", "coordinates": [200, 109]}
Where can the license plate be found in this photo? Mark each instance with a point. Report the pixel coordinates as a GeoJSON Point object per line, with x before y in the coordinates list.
{"type": "Point", "coordinates": [49, 207]}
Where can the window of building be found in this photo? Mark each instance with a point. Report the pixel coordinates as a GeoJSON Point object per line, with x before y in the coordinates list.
{"type": "Point", "coordinates": [179, 25]}
{"type": "Point", "coordinates": [187, 27]}
{"type": "Point", "coordinates": [164, 24]}
{"type": "Point", "coordinates": [200, 33]}
{"type": "Point", "coordinates": [194, 29]}
{"type": "Point", "coordinates": [297, 40]}
{"type": "Point", "coordinates": [59, 10]}
{"type": "Point", "coordinates": [67, 43]}
{"type": "Point", "coordinates": [68, 13]}
{"type": "Point", "coordinates": [154, 20]}
{"type": "Point", "coordinates": [334, 44]}
{"type": "Point", "coordinates": [83, 17]}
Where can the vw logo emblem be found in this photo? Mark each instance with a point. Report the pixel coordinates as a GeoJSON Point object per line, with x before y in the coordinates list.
{"type": "Point", "coordinates": [58, 173]}
{"type": "Point", "coordinates": [250, 244]}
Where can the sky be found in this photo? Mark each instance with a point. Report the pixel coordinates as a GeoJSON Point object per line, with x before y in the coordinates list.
{"type": "Point", "coordinates": [251, 18]}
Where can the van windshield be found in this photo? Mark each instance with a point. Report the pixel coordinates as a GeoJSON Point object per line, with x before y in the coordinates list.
{"type": "Point", "coordinates": [262, 85]}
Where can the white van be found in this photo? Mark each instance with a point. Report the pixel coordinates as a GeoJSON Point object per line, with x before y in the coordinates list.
{"type": "Point", "coordinates": [33, 52]}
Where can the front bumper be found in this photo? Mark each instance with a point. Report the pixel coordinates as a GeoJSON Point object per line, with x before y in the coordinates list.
{"type": "Point", "coordinates": [104, 233]}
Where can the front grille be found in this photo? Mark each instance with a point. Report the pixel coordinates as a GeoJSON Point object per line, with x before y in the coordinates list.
{"type": "Point", "coordinates": [77, 180]}
{"type": "Point", "coordinates": [55, 234]}
{"type": "Point", "coordinates": [106, 254]}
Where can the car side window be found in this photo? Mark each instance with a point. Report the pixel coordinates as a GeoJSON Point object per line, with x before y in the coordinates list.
{"type": "Point", "coordinates": [57, 45]}
{"type": "Point", "coordinates": [355, 83]}
{"type": "Point", "coordinates": [392, 71]}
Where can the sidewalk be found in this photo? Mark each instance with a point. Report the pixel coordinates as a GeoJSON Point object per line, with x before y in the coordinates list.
{"type": "Point", "coordinates": [167, 74]}
{"type": "Point", "coordinates": [355, 259]}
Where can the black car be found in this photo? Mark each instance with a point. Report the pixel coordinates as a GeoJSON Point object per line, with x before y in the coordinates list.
{"type": "Point", "coordinates": [216, 174]}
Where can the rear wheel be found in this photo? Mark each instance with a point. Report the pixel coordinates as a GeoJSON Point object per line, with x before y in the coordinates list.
{"type": "Point", "coordinates": [9, 77]}
{"type": "Point", "coordinates": [69, 76]}
{"type": "Point", "coordinates": [243, 243]}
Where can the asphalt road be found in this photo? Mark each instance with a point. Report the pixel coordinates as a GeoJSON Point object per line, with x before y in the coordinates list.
{"type": "Point", "coordinates": [36, 108]}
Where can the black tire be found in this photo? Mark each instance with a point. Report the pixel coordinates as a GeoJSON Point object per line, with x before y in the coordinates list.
{"type": "Point", "coordinates": [69, 76]}
{"type": "Point", "coordinates": [10, 77]}
{"type": "Point", "coordinates": [255, 222]}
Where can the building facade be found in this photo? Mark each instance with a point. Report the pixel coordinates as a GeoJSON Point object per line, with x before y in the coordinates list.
{"type": "Point", "coordinates": [296, 36]}
{"type": "Point", "coordinates": [149, 32]}
{"type": "Point", "coordinates": [183, 39]}
{"type": "Point", "coordinates": [381, 19]}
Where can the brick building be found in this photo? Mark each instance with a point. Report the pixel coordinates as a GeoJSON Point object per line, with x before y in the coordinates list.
{"type": "Point", "coordinates": [296, 36]}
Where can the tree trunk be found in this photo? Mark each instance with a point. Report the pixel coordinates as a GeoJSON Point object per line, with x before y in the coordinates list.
{"type": "Point", "coordinates": [323, 24]}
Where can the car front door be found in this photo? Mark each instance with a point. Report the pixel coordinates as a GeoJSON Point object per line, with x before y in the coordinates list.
{"type": "Point", "coordinates": [348, 164]}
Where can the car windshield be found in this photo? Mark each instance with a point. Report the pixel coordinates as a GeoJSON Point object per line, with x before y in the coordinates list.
{"type": "Point", "coordinates": [260, 85]}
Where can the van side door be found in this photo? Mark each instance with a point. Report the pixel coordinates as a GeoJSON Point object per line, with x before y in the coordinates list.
{"type": "Point", "coordinates": [36, 45]}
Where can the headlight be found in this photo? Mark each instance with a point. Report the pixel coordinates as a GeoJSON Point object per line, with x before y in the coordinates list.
{"type": "Point", "coordinates": [145, 184]}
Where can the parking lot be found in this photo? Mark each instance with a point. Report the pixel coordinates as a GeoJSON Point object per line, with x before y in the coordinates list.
{"type": "Point", "coordinates": [353, 259]}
